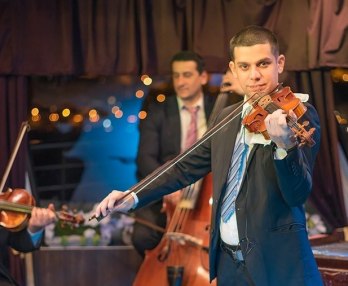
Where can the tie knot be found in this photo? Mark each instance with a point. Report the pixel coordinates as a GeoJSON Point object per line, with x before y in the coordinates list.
{"type": "Point", "coordinates": [192, 109]}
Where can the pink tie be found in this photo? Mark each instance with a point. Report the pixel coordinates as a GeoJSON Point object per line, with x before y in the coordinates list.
{"type": "Point", "coordinates": [191, 135]}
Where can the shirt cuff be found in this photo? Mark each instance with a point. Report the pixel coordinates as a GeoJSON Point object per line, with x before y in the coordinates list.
{"type": "Point", "coordinates": [136, 199]}
{"type": "Point", "coordinates": [280, 154]}
{"type": "Point", "coordinates": [36, 236]}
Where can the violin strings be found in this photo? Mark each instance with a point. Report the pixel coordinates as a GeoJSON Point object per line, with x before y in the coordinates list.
{"type": "Point", "coordinates": [181, 213]}
{"type": "Point", "coordinates": [294, 125]}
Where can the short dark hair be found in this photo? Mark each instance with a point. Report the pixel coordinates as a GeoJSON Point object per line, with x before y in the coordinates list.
{"type": "Point", "coordinates": [185, 56]}
{"type": "Point", "coordinates": [253, 35]}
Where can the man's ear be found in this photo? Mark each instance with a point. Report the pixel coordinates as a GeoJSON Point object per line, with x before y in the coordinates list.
{"type": "Point", "coordinates": [232, 67]}
{"type": "Point", "coordinates": [281, 63]}
{"type": "Point", "coordinates": [204, 77]}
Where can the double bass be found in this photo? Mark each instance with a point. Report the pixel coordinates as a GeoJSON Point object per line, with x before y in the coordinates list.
{"type": "Point", "coordinates": [181, 257]}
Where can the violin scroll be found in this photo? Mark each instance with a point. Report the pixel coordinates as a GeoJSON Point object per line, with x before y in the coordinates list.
{"type": "Point", "coordinates": [71, 218]}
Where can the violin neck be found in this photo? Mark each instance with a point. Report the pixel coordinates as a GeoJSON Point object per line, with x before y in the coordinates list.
{"type": "Point", "coordinates": [9, 206]}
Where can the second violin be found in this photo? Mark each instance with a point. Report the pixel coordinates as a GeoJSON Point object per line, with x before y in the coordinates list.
{"type": "Point", "coordinates": [16, 206]}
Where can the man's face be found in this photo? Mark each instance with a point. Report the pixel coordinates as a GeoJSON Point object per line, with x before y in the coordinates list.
{"type": "Point", "coordinates": [257, 68]}
{"type": "Point", "coordinates": [187, 81]}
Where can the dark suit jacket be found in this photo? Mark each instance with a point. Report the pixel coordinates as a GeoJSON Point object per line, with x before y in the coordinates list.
{"type": "Point", "coordinates": [269, 206]}
{"type": "Point", "coordinates": [160, 134]}
{"type": "Point", "coordinates": [20, 241]}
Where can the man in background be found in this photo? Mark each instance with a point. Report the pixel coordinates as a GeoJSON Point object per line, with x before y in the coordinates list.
{"type": "Point", "coordinates": [164, 134]}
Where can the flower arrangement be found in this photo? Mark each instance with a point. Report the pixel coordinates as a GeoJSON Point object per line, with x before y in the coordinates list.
{"type": "Point", "coordinates": [112, 230]}
{"type": "Point", "coordinates": [315, 224]}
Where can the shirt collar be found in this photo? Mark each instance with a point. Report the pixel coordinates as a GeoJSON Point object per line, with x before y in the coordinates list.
{"type": "Point", "coordinates": [198, 103]}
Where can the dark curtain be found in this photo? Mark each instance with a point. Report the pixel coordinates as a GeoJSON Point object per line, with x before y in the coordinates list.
{"type": "Point", "coordinates": [73, 37]}
{"type": "Point", "coordinates": [327, 195]}
{"type": "Point", "coordinates": [13, 111]}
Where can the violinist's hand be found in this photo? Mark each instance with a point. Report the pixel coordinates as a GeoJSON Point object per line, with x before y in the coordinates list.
{"type": "Point", "coordinates": [114, 202]}
{"type": "Point", "coordinates": [278, 129]}
{"type": "Point", "coordinates": [41, 217]}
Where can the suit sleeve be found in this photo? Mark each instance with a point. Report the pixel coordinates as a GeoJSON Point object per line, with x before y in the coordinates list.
{"type": "Point", "coordinates": [21, 241]}
{"type": "Point", "coordinates": [295, 172]}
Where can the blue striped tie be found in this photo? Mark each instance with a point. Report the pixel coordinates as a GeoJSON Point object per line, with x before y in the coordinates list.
{"type": "Point", "coordinates": [235, 174]}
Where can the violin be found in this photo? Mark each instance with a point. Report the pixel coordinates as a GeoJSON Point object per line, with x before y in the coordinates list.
{"type": "Point", "coordinates": [16, 207]}
{"type": "Point", "coordinates": [284, 99]}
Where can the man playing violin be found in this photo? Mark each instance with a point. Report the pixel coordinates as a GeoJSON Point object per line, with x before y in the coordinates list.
{"type": "Point", "coordinates": [27, 239]}
{"type": "Point", "coordinates": [258, 230]}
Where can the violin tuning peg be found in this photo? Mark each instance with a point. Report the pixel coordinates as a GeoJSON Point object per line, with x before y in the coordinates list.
{"type": "Point", "coordinates": [305, 123]}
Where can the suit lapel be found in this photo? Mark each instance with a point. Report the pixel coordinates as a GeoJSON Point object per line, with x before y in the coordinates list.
{"type": "Point", "coordinates": [208, 106]}
{"type": "Point", "coordinates": [251, 155]}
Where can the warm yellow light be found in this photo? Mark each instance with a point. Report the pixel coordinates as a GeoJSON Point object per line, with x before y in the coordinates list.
{"type": "Point", "coordinates": [77, 118]}
{"type": "Point", "coordinates": [143, 77]}
{"type": "Point", "coordinates": [118, 113]}
{"type": "Point", "coordinates": [139, 93]}
{"type": "Point", "coordinates": [66, 112]}
{"type": "Point", "coordinates": [94, 118]}
{"type": "Point", "coordinates": [92, 113]}
{"type": "Point", "coordinates": [147, 81]}
{"type": "Point", "coordinates": [53, 117]}
{"type": "Point", "coordinates": [36, 118]}
{"type": "Point", "coordinates": [142, 114]}
{"type": "Point", "coordinates": [345, 77]}
{"type": "Point", "coordinates": [115, 109]}
{"type": "Point", "coordinates": [35, 111]}
{"type": "Point", "coordinates": [161, 97]}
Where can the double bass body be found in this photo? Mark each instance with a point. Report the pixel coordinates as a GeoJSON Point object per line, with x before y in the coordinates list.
{"type": "Point", "coordinates": [181, 258]}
